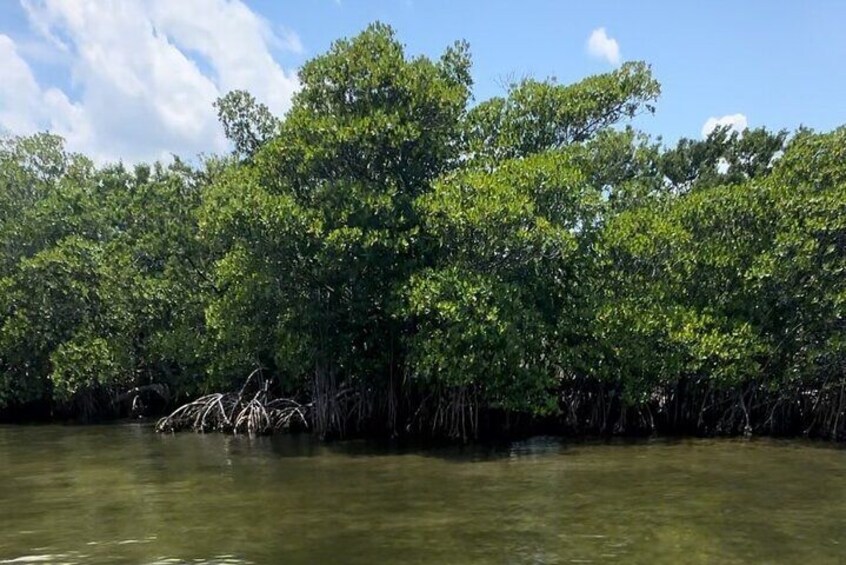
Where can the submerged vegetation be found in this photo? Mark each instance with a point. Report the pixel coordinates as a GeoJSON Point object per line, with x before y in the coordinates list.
{"type": "Point", "coordinates": [393, 257]}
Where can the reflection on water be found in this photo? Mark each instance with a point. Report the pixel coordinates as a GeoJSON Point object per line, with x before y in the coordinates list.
{"type": "Point", "coordinates": [123, 494]}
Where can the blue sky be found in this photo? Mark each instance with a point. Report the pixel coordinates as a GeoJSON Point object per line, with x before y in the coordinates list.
{"type": "Point", "coordinates": [134, 79]}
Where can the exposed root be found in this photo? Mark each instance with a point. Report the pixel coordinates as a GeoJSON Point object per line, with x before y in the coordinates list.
{"type": "Point", "coordinates": [585, 407]}
{"type": "Point", "coordinates": [231, 412]}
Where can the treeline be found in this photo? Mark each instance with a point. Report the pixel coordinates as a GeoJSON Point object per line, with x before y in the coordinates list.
{"type": "Point", "coordinates": [395, 257]}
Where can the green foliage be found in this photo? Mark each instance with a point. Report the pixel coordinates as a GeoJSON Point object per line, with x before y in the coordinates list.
{"type": "Point", "coordinates": [733, 284]}
{"type": "Point", "coordinates": [724, 157]}
{"type": "Point", "coordinates": [395, 257]}
{"type": "Point", "coordinates": [536, 116]}
{"type": "Point", "coordinates": [248, 124]}
{"type": "Point", "coordinates": [100, 269]}
{"type": "Point", "coordinates": [478, 332]}
{"type": "Point", "coordinates": [500, 306]}
{"type": "Point", "coordinates": [318, 233]}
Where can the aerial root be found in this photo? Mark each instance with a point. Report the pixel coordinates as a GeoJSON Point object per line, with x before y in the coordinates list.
{"type": "Point", "coordinates": [231, 412]}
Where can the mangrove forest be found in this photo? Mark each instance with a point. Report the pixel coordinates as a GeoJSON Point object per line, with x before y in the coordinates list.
{"type": "Point", "coordinates": [395, 257]}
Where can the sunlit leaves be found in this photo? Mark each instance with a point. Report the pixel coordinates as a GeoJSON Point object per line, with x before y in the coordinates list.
{"type": "Point", "coordinates": [537, 116]}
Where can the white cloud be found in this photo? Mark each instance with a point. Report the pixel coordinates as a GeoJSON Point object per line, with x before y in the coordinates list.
{"type": "Point", "coordinates": [601, 46]}
{"type": "Point", "coordinates": [736, 122]}
{"type": "Point", "coordinates": [26, 107]}
{"type": "Point", "coordinates": [144, 73]}
{"type": "Point", "coordinates": [19, 93]}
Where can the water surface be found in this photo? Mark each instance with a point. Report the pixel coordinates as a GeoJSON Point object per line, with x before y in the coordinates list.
{"type": "Point", "coordinates": [121, 493]}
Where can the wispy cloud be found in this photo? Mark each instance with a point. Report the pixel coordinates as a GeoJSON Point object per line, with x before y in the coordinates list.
{"type": "Point", "coordinates": [601, 46]}
{"type": "Point", "coordinates": [736, 122]}
{"type": "Point", "coordinates": [145, 73]}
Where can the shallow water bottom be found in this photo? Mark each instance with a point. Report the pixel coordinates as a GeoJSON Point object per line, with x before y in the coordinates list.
{"type": "Point", "coordinates": [107, 494]}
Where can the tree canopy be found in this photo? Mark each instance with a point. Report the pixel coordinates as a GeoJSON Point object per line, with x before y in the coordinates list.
{"type": "Point", "coordinates": [392, 256]}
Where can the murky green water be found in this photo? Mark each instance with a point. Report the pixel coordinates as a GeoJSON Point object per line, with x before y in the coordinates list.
{"type": "Point", "coordinates": [121, 494]}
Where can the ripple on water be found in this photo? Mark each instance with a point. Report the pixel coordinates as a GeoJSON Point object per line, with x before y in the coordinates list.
{"type": "Point", "coordinates": [75, 558]}
{"type": "Point", "coordinates": [106, 494]}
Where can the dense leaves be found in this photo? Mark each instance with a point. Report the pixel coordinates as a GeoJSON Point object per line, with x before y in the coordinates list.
{"type": "Point", "coordinates": [393, 257]}
{"type": "Point", "coordinates": [540, 115]}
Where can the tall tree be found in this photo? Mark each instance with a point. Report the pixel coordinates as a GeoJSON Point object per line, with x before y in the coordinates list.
{"type": "Point", "coordinates": [322, 234]}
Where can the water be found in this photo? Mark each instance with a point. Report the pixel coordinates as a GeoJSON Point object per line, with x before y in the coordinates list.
{"type": "Point", "coordinates": [123, 494]}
